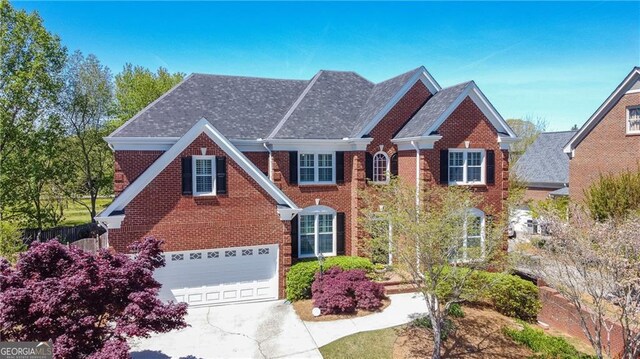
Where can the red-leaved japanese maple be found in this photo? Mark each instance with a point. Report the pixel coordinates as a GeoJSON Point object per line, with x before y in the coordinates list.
{"type": "Point", "coordinates": [87, 304]}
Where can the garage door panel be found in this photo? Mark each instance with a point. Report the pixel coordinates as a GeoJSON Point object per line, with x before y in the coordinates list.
{"type": "Point", "coordinates": [217, 276]}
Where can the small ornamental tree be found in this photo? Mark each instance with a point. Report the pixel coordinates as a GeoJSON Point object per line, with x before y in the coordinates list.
{"type": "Point", "coordinates": [337, 291]}
{"type": "Point", "coordinates": [88, 305]}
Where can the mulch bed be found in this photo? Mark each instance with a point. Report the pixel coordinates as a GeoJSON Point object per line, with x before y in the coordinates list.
{"type": "Point", "coordinates": [303, 309]}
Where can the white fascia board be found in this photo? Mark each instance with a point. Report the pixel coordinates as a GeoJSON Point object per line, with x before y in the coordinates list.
{"type": "Point", "coordinates": [286, 213]}
{"type": "Point", "coordinates": [345, 144]}
{"type": "Point", "coordinates": [505, 142]}
{"type": "Point", "coordinates": [600, 112]}
{"type": "Point", "coordinates": [141, 143]}
{"type": "Point", "coordinates": [480, 100]}
{"type": "Point", "coordinates": [110, 222]}
{"type": "Point", "coordinates": [422, 142]}
{"type": "Point", "coordinates": [202, 126]}
{"type": "Point", "coordinates": [424, 76]}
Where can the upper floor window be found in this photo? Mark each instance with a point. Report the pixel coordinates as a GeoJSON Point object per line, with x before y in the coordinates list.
{"type": "Point", "coordinates": [204, 175]}
{"type": "Point", "coordinates": [466, 166]}
{"type": "Point", "coordinates": [381, 167]}
{"type": "Point", "coordinates": [317, 231]}
{"type": "Point", "coordinates": [633, 120]}
{"type": "Point", "coordinates": [316, 167]}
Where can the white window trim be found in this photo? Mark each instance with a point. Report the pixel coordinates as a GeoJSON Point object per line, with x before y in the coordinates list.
{"type": "Point", "coordinates": [316, 168]}
{"type": "Point", "coordinates": [387, 169]}
{"type": "Point", "coordinates": [628, 117]}
{"type": "Point", "coordinates": [315, 211]}
{"type": "Point", "coordinates": [473, 212]}
{"type": "Point", "coordinates": [483, 167]}
{"type": "Point", "coordinates": [213, 175]}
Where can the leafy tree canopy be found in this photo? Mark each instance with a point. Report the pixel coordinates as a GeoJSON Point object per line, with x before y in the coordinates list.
{"type": "Point", "coordinates": [527, 130]}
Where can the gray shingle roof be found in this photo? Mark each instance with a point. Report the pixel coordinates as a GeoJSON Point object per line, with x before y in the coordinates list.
{"type": "Point", "coordinates": [329, 108]}
{"type": "Point", "coordinates": [381, 94]}
{"type": "Point", "coordinates": [431, 111]}
{"type": "Point", "coordinates": [544, 161]}
{"type": "Point", "coordinates": [239, 107]}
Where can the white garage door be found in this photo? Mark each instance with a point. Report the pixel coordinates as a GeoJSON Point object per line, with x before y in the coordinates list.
{"type": "Point", "coordinates": [220, 276]}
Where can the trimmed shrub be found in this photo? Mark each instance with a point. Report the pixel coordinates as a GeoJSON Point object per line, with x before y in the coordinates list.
{"type": "Point", "coordinates": [301, 275]}
{"type": "Point", "coordinates": [514, 296]}
{"type": "Point", "coordinates": [546, 346]}
{"type": "Point", "coordinates": [455, 310]}
{"type": "Point", "coordinates": [337, 291]}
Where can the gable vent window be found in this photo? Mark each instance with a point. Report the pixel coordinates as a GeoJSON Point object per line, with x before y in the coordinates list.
{"type": "Point", "coordinates": [381, 168]}
{"type": "Point", "coordinates": [633, 120]}
{"type": "Point", "coordinates": [316, 168]}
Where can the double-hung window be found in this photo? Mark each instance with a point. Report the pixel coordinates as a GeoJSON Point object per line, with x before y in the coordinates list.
{"type": "Point", "coordinates": [317, 232]}
{"type": "Point", "coordinates": [204, 175]}
{"type": "Point", "coordinates": [471, 246]}
{"type": "Point", "coordinates": [316, 167]}
{"type": "Point", "coordinates": [633, 120]}
{"type": "Point", "coordinates": [466, 166]}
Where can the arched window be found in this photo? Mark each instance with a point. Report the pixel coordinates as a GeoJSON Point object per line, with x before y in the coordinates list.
{"type": "Point", "coordinates": [474, 233]}
{"type": "Point", "coordinates": [381, 167]}
{"type": "Point", "coordinates": [317, 231]}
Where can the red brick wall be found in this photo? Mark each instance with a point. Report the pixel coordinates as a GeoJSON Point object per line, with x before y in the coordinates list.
{"type": "Point", "coordinates": [607, 149]}
{"type": "Point", "coordinates": [129, 165]}
{"type": "Point", "coordinates": [468, 123]}
{"type": "Point", "coordinates": [560, 314]}
{"type": "Point", "coordinates": [243, 217]}
{"type": "Point", "coordinates": [536, 194]}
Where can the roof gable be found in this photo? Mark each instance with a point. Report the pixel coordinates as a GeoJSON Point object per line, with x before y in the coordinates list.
{"type": "Point", "coordinates": [630, 83]}
{"type": "Point", "coordinates": [202, 126]}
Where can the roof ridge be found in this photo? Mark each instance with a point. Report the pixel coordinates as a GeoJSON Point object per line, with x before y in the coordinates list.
{"type": "Point", "coordinates": [550, 132]}
{"type": "Point", "coordinates": [295, 105]}
{"type": "Point", "coordinates": [245, 77]}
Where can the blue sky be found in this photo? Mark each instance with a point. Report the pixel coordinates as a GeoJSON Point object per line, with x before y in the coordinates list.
{"type": "Point", "coordinates": [554, 60]}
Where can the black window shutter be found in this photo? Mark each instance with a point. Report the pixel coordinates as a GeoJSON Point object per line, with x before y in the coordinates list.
{"type": "Point", "coordinates": [339, 167]}
{"type": "Point", "coordinates": [444, 166]}
{"type": "Point", "coordinates": [293, 168]}
{"type": "Point", "coordinates": [491, 167]}
{"type": "Point", "coordinates": [368, 166]}
{"type": "Point", "coordinates": [393, 166]}
{"type": "Point", "coordinates": [294, 236]}
{"type": "Point", "coordinates": [187, 179]}
{"type": "Point", "coordinates": [221, 175]}
{"type": "Point", "coordinates": [340, 224]}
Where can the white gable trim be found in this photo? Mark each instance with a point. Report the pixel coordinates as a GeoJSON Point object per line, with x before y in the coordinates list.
{"type": "Point", "coordinates": [474, 93]}
{"type": "Point", "coordinates": [601, 112]}
{"type": "Point", "coordinates": [202, 126]}
{"type": "Point", "coordinates": [422, 75]}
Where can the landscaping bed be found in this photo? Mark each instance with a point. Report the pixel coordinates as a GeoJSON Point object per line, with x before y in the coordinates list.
{"type": "Point", "coordinates": [303, 310]}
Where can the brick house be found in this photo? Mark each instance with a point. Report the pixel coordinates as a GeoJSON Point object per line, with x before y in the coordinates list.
{"type": "Point", "coordinates": [243, 176]}
{"type": "Point", "coordinates": [609, 141]}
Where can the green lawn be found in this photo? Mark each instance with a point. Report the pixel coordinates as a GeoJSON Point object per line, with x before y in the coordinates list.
{"type": "Point", "coordinates": [76, 213]}
{"type": "Point", "coordinates": [376, 344]}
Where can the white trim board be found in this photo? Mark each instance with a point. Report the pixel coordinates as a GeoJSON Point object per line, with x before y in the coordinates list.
{"type": "Point", "coordinates": [202, 126]}
{"type": "Point", "coordinates": [597, 116]}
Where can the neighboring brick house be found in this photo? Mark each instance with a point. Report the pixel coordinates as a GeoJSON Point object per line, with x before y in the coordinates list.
{"type": "Point", "coordinates": [242, 176]}
{"type": "Point", "coordinates": [609, 142]}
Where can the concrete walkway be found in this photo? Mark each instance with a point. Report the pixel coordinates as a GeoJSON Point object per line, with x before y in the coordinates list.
{"type": "Point", "coordinates": [403, 309]}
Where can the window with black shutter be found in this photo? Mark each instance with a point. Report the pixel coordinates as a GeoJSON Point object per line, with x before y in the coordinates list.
{"type": "Point", "coordinates": [293, 167]}
{"type": "Point", "coordinates": [339, 167]}
{"type": "Point", "coordinates": [491, 167]}
{"type": "Point", "coordinates": [294, 236]}
{"type": "Point", "coordinates": [393, 167]}
{"type": "Point", "coordinates": [444, 166]}
{"type": "Point", "coordinates": [187, 179]}
{"type": "Point", "coordinates": [368, 166]}
{"type": "Point", "coordinates": [221, 175]}
{"type": "Point", "coordinates": [340, 226]}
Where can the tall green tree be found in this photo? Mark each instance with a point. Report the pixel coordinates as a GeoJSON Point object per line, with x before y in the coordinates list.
{"type": "Point", "coordinates": [136, 87]}
{"type": "Point", "coordinates": [31, 63]}
{"type": "Point", "coordinates": [85, 107]}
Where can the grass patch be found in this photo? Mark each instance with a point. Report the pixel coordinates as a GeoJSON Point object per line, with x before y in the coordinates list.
{"type": "Point", "coordinates": [75, 213]}
{"type": "Point", "coordinates": [376, 344]}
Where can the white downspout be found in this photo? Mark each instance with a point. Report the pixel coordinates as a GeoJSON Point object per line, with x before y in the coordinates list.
{"type": "Point", "coordinates": [269, 165]}
{"type": "Point", "coordinates": [417, 199]}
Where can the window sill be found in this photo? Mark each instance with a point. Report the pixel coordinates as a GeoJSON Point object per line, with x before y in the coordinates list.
{"type": "Point", "coordinates": [316, 184]}
{"type": "Point", "coordinates": [307, 256]}
{"type": "Point", "coordinates": [468, 184]}
{"type": "Point", "coordinates": [633, 133]}
{"type": "Point", "coordinates": [203, 195]}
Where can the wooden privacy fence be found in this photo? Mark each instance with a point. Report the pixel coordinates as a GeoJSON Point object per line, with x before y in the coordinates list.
{"type": "Point", "coordinates": [63, 234]}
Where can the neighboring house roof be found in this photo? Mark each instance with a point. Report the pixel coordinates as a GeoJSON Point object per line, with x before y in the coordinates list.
{"type": "Point", "coordinates": [115, 212]}
{"type": "Point", "coordinates": [239, 107]}
{"type": "Point", "coordinates": [631, 83]}
{"type": "Point", "coordinates": [432, 110]}
{"type": "Point", "coordinates": [544, 162]}
{"type": "Point", "coordinates": [564, 191]}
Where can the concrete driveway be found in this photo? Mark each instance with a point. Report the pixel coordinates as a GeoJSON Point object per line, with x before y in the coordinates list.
{"type": "Point", "coordinates": [252, 330]}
